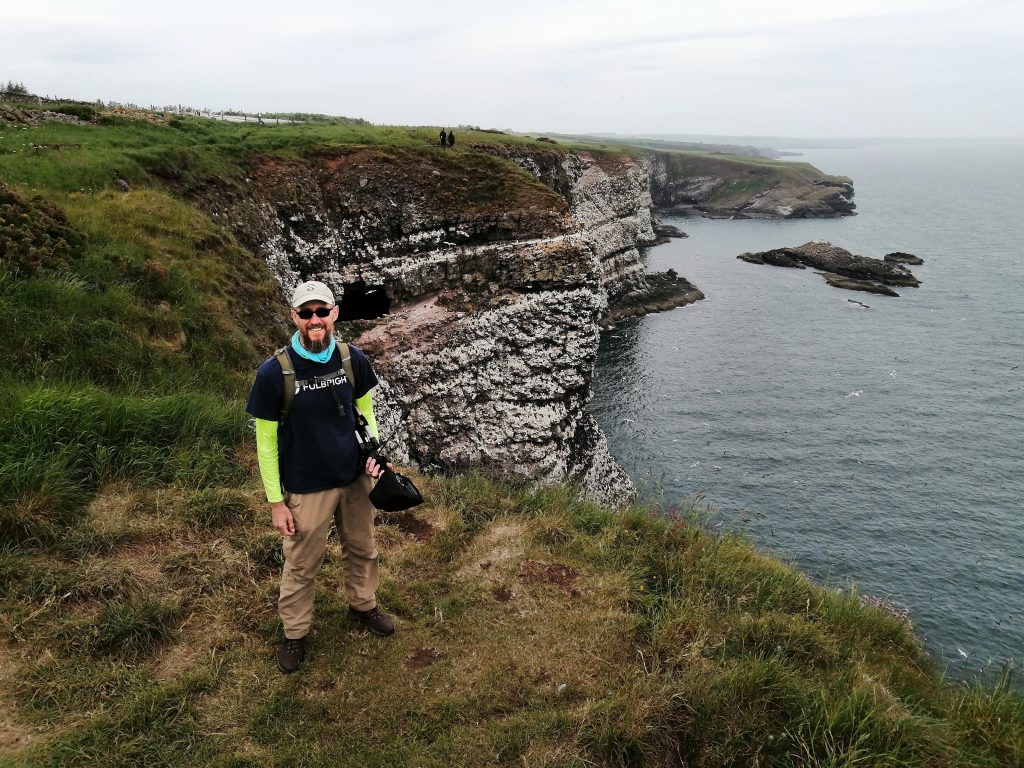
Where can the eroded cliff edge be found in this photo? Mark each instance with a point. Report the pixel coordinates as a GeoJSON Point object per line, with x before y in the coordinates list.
{"type": "Point", "coordinates": [485, 274]}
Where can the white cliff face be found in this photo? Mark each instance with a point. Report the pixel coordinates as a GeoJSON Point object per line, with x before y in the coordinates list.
{"type": "Point", "coordinates": [487, 356]}
{"type": "Point", "coordinates": [610, 198]}
{"type": "Point", "coordinates": [504, 387]}
{"type": "Point", "coordinates": [501, 388]}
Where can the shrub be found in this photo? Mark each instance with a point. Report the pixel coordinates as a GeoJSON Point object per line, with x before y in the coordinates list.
{"type": "Point", "coordinates": [87, 112]}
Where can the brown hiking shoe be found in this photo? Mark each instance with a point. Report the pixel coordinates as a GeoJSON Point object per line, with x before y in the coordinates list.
{"type": "Point", "coordinates": [374, 620]}
{"type": "Point", "coordinates": [290, 654]}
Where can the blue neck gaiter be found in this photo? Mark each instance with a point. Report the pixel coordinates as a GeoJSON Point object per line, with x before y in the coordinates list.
{"type": "Point", "coordinates": [317, 357]}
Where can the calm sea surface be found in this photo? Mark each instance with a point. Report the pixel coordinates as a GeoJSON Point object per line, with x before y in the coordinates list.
{"type": "Point", "coordinates": [881, 446]}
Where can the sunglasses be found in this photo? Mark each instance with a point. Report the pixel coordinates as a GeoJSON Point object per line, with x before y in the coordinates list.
{"type": "Point", "coordinates": [306, 314]}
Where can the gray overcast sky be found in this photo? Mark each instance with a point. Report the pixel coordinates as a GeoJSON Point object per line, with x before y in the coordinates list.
{"type": "Point", "coordinates": [787, 67]}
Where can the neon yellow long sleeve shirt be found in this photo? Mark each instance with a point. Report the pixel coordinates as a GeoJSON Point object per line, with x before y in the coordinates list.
{"type": "Point", "coordinates": [267, 452]}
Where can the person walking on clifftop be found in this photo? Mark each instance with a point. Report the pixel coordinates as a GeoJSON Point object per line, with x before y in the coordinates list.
{"type": "Point", "coordinates": [312, 467]}
{"type": "Point", "coordinates": [444, 139]}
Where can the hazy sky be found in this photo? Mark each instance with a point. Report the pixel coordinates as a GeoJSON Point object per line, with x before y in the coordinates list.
{"type": "Point", "coordinates": [783, 67]}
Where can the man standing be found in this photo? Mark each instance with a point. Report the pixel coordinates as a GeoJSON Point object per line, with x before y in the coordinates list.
{"type": "Point", "coordinates": [312, 467]}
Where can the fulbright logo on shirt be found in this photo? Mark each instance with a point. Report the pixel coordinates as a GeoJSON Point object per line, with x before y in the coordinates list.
{"type": "Point", "coordinates": [320, 382]}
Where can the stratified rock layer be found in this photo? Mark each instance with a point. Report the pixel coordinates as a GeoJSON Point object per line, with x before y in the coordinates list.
{"type": "Point", "coordinates": [494, 289]}
{"type": "Point", "coordinates": [493, 268]}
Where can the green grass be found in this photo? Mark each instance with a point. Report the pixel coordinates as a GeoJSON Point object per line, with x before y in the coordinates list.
{"type": "Point", "coordinates": [144, 293]}
{"type": "Point", "coordinates": [666, 645]}
{"type": "Point", "coordinates": [190, 151]}
{"type": "Point", "coordinates": [58, 444]}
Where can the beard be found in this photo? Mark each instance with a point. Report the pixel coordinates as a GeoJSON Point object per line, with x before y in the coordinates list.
{"type": "Point", "coordinates": [316, 346]}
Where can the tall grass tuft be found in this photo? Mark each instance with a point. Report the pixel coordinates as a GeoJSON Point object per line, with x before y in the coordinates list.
{"type": "Point", "coordinates": [58, 444]}
{"type": "Point", "coordinates": [993, 717]}
{"type": "Point", "coordinates": [129, 628]}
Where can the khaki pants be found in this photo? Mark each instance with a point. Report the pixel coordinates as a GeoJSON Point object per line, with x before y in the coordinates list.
{"type": "Point", "coordinates": [350, 509]}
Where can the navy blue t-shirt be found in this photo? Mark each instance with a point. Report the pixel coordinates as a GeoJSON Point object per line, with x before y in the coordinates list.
{"type": "Point", "coordinates": [317, 443]}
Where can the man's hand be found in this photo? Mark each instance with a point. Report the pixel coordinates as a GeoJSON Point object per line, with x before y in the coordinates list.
{"type": "Point", "coordinates": [282, 517]}
{"type": "Point", "coordinates": [374, 470]}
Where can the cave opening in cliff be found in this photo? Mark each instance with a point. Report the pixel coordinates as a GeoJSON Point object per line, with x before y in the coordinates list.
{"type": "Point", "coordinates": [363, 302]}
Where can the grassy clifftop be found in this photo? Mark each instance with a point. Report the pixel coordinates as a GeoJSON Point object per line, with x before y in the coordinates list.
{"type": "Point", "coordinates": [534, 629]}
{"type": "Point", "coordinates": [138, 568]}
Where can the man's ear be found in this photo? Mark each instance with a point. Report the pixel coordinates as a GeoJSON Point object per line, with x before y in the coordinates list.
{"type": "Point", "coordinates": [334, 313]}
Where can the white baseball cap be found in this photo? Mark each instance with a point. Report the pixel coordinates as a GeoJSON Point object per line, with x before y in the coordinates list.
{"type": "Point", "coordinates": [312, 290]}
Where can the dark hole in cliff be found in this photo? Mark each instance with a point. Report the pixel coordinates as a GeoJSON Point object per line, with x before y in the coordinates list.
{"type": "Point", "coordinates": [363, 302]}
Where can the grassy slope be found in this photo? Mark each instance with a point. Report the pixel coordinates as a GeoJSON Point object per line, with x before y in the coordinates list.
{"type": "Point", "coordinates": [137, 571]}
{"type": "Point", "coordinates": [533, 629]}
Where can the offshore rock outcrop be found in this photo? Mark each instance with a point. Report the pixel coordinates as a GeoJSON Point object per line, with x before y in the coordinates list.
{"type": "Point", "coordinates": [665, 233]}
{"type": "Point", "coordinates": [666, 290]}
{"type": "Point", "coordinates": [898, 257]}
{"type": "Point", "coordinates": [841, 269]}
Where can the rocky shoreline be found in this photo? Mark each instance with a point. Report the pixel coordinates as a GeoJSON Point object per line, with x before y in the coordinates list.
{"type": "Point", "coordinates": [842, 269]}
{"type": "Point", "coordinates": [665, 233]}
{"type": "Point", "coordinates": [668, 291]}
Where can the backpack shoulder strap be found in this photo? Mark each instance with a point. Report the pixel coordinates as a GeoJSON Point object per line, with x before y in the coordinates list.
{"type": "Point", "coordinates": [346, 364]}
{"type": "Point", "coordinates": [288, 391]}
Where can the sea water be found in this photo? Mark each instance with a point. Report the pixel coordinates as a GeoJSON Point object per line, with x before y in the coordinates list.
{"type": "Point", "coordinates": [879, 448]}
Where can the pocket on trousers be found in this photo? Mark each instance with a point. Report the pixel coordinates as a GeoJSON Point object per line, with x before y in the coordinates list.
{"type": "Point", "coordinates": [294, 504]}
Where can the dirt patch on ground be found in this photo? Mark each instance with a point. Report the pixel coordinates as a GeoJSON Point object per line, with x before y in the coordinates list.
{"type": "Point", "coordinates": [611, 164]}
{"type": "Point", "coordinates": [502, 593]}
{"type": "Point", "coordinates": [198, 640]}
{"type": "Point", "coordinates": [410, 525]}
{"type": "Point", "coordinates": [564, 576]}
{"type": "Point", "coordinates": [424, 657]}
